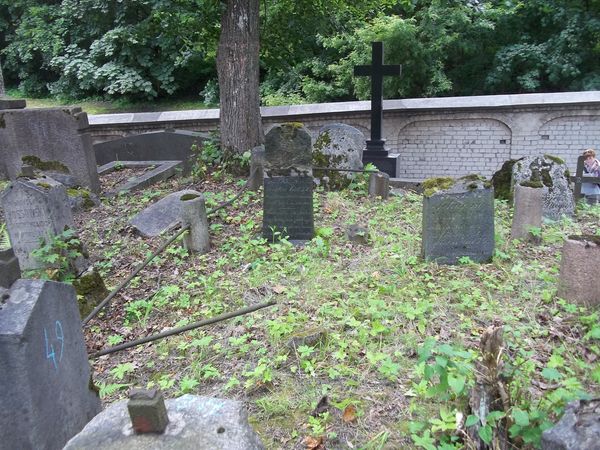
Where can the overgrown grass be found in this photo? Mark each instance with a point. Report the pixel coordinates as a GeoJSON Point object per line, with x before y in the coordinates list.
{"type": "Point", "coordinates": [389, 339]}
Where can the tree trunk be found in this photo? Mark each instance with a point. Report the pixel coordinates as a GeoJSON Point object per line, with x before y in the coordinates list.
{"type": "Point", "coordinates": [238, 71]}
{"type": "Point", "coordinates": [2, 91]}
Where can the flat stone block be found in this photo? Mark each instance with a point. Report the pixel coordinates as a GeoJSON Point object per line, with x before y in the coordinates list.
{"type": "Point", "coordinates": [385, 163]}
{"type": "Point", "coordinates": [12, 103]}
{"type": "Point", "coordinates": [195, 423]}
{"type": "Point", "coordinates": [579, 281]}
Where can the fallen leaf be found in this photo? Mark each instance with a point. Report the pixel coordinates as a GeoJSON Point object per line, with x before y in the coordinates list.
{"type": "Point", "coordinates": [349, 414]}
{"type": "Point", "coordinates": [313, 443]}
{"type": "Point", "coordinates": [279, 289]}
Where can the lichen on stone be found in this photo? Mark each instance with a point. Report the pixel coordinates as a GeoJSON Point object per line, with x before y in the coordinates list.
{"type": "Point", "coordinates": [531, 184]}
{"type": "Point", "coordinates": [433, 185]}
{"type": "Point", "coordinates": [555, 159]}
{"type": "Point", "coordinates": [38, 164]}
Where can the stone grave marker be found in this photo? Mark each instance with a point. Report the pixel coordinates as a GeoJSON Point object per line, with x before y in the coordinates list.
{"type": "Point", "coordinates": [195, 422]}
{"type": "Point", "coordinates": [34, 210]}
{"type": "Point", "coordinates": [458, 220]}
{"type": "Point", "coordinates": [44, 375]}
{"type": "Point", "coordinates": [288, 186]}
{"type": "Point", "coordinates": [338, 146]}
{"type": "Point", "coordinates": [550, 172]}
{"type": "Point", "coordinates": [162, 216]}
{"type": "Point", "coordinates": [579, 281]}
{"type": "Point", "coordinates": [527, 212]}
{"type": "Point", "coordinates": [10, 270]}
{"type": "Point", "coordinates": [50, 139]}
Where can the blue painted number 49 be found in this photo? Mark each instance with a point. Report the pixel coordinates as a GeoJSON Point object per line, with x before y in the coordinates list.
{"type": "Point", "coordinates": [58, 337]}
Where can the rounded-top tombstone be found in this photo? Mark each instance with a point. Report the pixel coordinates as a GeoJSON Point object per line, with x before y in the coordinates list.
{"type": "Point", "coordinates": [288, 150]}
{"type": "Point", "coordinates": [550, 172]}
{"type": "Point", "coordinates": [338, 146]}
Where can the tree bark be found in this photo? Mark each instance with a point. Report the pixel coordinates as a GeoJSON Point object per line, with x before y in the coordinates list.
{"type": "Point", "coordinates": [2, 90]}
{"type": "Point", "coordinates": [238, 72]}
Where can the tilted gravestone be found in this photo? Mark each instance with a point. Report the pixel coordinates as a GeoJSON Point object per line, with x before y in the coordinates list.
{"type": "Point", "coordinates": [54, 139]}
{"type": "Point", "coordinates": [34, 210]}
{"type": "Point", "coordinates": [550, 172]}
{"type": "Point", "coordinates": [44, 375]}
{"type": "Point", "coordinates": [195, 422]}
{"type": "Point", "coordinates": [338, 146]}
{"type": "Point", "coordinates": [157, 146]}
{"type": "Point", "coordinates": [288, 185]}
{"type": "Point", "coordinates": [458, 220]}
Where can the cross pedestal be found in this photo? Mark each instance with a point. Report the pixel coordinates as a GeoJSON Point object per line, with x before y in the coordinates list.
{"type": "Point", "coordinates": [375, 152]}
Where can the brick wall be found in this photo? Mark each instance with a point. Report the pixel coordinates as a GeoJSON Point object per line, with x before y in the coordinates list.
{"type": "Point", "coordinates": [435, 137]}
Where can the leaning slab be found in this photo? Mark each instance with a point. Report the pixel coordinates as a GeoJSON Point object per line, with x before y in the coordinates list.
{"type": "Point", "coordinates": [579, 281]}
{"type": "Point", "coordinates": [163, 171]}
{"type": "Point", "coordinates": [162, 145]}
{"type": "Point", "coordinates": [162, 216]}
{"type": "Point", "coordinates": [194, 423]}
{"type": "Point", "coordinates": [51, 139]}
{"type": "Point", "coordinates": [44, 372]}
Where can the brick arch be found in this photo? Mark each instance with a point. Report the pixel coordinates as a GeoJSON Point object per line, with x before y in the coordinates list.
{"type": "Point", "coordinates": [568, 136]}
{"type": "Point", "coordinates": [453, 147]}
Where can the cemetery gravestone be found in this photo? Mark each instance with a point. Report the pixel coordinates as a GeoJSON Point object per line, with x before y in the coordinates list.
{"type": "Point", "coordinates": [338, 146]}
{"type": "Point", "coordinates": [527, 211]}
{"type": "Point", "coordinates": [288, 186]}
{"type": "Point", "coordinates": [54, 139]}
{"type": "Point", "coordinates": [458, 221]}
{"type": "Point", "coordinates": [34, 210]}
{"type": "Point", "coordinates": [195, 422]}
{"type": "Point", "coordinates": [45, 375]}
{"type": "Point", "coordinates": [550, 172]}
{"type": "Point", "coordinates": [579, 281]}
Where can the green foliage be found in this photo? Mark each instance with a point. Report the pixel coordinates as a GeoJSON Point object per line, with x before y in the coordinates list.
{"type": "Point", "coordinates": [4, 238]}
{"type": "Point", "coordinates": [59, 254]}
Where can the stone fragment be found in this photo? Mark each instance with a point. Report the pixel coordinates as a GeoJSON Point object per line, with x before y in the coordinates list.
{"type": "Point", "coordinates": [578, 429]}
{"type": "Point", "coordinates": [579, 281]}
{"type": "Point", "coordinates": [49, 139]}
{"type": "Point", "coordinates": [193, 215]}
{"type": "Point", "coordinates": [257, 168]}
{"type": "Point", "coordinates": [9, 268]}
{"type": "Point", "coordinates": [527, 212]}
{"type": "Point", "coordinates": [147, 411]}
{"type": "Point", "coordinates": [310, 337]}
{"type": "Point", "coordinates": [358, 234]}
{"type": "Point", "coordinates": [338, 146]}
{"type": "Point", "coordinates": [45, 374]}
{"type": "Point", "coordinates": [379, 185]}
{"type": "Point", "coordinates": [194, 423]}
{"type": "Point", "coordinates": [161, 216]}
{"type": "Point", "coordinates": [90, 289]}
{"type": "Point", "coordinates": [550, 172]}
{"type": "Point", "coordinates": [458, 221]}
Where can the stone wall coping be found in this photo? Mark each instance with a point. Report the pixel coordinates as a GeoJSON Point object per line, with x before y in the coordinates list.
{"type": "Point", "coordinates": [411, 104]}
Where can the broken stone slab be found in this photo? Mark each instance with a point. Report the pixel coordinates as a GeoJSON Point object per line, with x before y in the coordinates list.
{"type": "Point", "coordinates": [9, 268]}
{"type": "Point", "coordinates": [163, 171]}
{"type": "Point", "coordinates": [162, 216]}
{"type": "Point", "coordinates": [195, 422]}
{"type": "Point", "coordinates": [578, 429]}
{"type": "Point", "coordinates": [578, 280]}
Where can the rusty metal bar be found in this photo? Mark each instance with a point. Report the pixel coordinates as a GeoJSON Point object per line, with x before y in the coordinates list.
{"type": "Point", "coordinates": [192, 326]}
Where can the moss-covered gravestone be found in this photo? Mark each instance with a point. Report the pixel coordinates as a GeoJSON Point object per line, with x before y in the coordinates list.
{"type": "Point", "coordinates": [552, 173]}
{"type": "Point", "coordinates": [44, 371]}
{"type": "Point", "coordinates": [458, 220]}
{"type": "Point", "coordinates": [288, 184]}
{"type": "Point", "coordinates": [338, 146]}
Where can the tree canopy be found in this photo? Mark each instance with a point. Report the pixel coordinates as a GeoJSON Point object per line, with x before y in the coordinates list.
{"type": "Point", "coordinates": [162, 48]}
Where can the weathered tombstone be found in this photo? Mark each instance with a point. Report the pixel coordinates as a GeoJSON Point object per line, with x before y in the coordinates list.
{"type": "Point", "coordinates": [527, 212]}
{"type": "Point", "coordinates": [34, 210]}
{"type": "Point", "coordinates": [337, 146]}
{"type": "Point", "coordinates": [550, 172]}
{"type": "Point", "coordinates": [579, 281]}
{"type": "Point", "coordinates": [54, 139]}
{"type": "Point", "coordinates": [288, 186]}
{"type": "Point", "coordinates": [168, 145]}
{"type": "Point", "coordinates": [578, 429]}
{"type": "Point", "coordinates": [10, 270]}
{"type": "Point", "coordinates": [162, 216]}
{"type": "Point", "coordinates": [379, 185]}
{"type": "Point", "coordinates": [257, 168]}
{"type": "Point", "coordinates": [193, 216]}
{"type": "Point", "coordinates": [458, 220]}
{"type": "Point", "coordinates": [194, 423]}
{"type": "Point", "coordinates": [45, 375]}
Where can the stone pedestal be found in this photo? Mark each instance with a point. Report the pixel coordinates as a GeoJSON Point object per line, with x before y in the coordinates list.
{"type": "Point", "coordinates": [579, 281]}
{"type": "Point", "coordinates": [382, 160]}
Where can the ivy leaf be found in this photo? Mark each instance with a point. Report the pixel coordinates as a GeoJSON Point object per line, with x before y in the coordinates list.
{"type": "Point", "coordinates": [549, 373]}
{"type": "Point", "coordinates": [457, 383]}
{"type": "Point", "coordinates": [471, 420]}
{"type": "Point", "coordinates": [520, 417]}
{"type": "Point", "coordinates": [485, 433]}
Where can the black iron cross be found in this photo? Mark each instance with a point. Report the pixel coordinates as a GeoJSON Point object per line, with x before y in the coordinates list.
{"type": "Point", "coordinates": [377, 71]}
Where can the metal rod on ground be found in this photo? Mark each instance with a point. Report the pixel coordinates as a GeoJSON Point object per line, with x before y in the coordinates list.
{"type": "Point", "coordinates": [131, 276]}
{"type": "Point", "coordinates": [335, 169]}
{"type": "Point", "coordinates": [192, 326]}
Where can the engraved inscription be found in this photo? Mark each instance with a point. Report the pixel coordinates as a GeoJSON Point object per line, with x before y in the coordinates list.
{"type": "Point", "coordinates": [288, 208]}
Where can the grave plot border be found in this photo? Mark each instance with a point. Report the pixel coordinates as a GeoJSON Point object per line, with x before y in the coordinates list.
{"type": "Point", "coordinates": [163, 171]}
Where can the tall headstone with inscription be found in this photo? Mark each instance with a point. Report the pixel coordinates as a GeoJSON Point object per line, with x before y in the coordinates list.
{"type": "Point", "coordinates": [34, 210]}
{"type": "Point", "coordinates": [288, 184]}
{"type": "Point", "coordinates": [51, 139]}
{"type": "Point", "coordinates": [458, 220]}
{"type": "Point", "coordinates": [45, 375]}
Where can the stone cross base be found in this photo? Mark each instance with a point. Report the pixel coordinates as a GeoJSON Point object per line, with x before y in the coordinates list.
{"type": "Point", "coordinates": [382, 160]}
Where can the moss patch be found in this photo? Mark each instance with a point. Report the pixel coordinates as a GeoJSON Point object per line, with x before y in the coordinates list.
{"type": "Point", "coordinates": [433, 185]}
{"type": "Point", "coordinates": [531, 184]}
{"type": "Point", "coordinates": [501, 180]}
{"type": "Point", "coordinates": [555, 159]}
{"type": "Point", "coordinates": [37, 163]}
{"type": "Point", "coordinates": [84, 194]}
{"type": "Point", "coordinates": [90, 290]}
{"type": "Point", "coordinates": [188, 197]}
